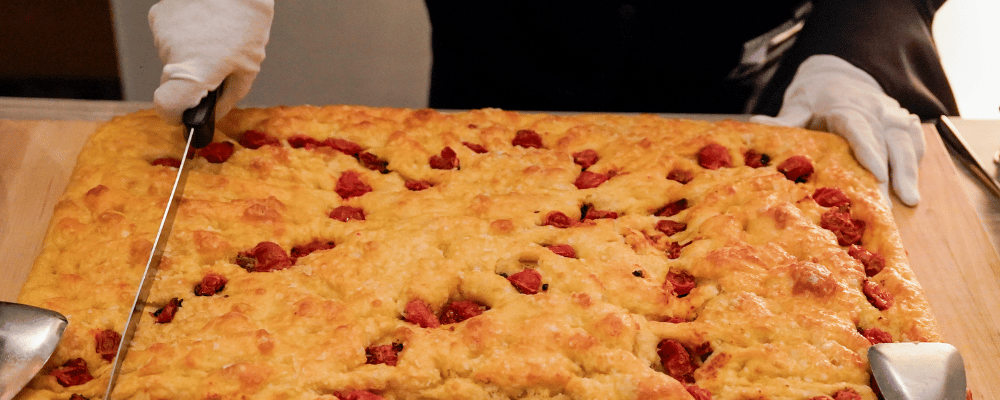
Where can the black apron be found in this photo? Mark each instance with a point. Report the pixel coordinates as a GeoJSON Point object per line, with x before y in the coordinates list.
{"type": "Point", "coordinates": [615, 56]}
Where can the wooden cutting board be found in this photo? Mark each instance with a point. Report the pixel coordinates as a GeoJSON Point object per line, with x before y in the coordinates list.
{"type": "Point", "coordinates": [36, 160]}
{"type": "Point", "coordinates": [945, 239]}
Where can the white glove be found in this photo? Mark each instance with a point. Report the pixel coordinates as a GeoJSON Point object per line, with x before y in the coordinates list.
{"type": "Point", "coordinates": [202, 42]}
{"type": "Point", "coordinates": [828, 93]}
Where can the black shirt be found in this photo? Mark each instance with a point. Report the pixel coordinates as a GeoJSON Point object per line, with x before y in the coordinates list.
{"type": "Point", "coordinates": [647, 56]}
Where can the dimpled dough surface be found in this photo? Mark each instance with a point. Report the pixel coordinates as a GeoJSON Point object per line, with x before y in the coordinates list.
{"type": "Point", "coordinates": [777, 310]}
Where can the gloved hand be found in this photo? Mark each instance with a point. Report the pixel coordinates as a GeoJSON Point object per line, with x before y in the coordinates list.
{"type": "Point", "coordinates": [202, 42]}
{"type": "Point", "coordinates": [828, 93]}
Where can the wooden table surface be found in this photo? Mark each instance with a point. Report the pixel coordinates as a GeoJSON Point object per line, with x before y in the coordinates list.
{"type": "Point", "coordinates": [946, 241]}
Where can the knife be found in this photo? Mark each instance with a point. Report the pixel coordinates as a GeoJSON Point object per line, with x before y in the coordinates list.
{"type": "Point", "coordinates": [200, 125]}
{"type": "Point", "coordinates": [961, 149]}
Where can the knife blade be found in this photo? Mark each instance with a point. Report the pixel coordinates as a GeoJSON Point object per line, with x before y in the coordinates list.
{"type": "Point", "coordinates": [199, 122]}
{"type": "Point", "coordinates": [961, 149]}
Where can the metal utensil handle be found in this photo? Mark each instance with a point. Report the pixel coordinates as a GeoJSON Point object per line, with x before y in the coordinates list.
{"type": "Point", "coordinates": [954, 141]}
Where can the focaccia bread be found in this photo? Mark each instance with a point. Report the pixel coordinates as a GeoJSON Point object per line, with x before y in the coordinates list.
{"type": "Point", "coordinates": [362, 253]}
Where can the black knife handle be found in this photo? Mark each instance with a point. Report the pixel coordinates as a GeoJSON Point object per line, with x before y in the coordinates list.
{"type": "Point", "coordinates": [200, 119]}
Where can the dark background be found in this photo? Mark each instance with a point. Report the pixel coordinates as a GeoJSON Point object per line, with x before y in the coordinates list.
{"type": "Point", "coordinates": [58, 49]}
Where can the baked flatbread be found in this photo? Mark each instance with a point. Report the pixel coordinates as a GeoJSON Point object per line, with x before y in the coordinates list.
{"type": "Point", "coordinates": [363, 253]}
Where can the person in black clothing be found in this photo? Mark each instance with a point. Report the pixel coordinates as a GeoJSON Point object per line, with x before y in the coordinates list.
{"type": "Point", "coordinates": [667, 56]}
{"type": "Point", "coordinates": [863, 69]}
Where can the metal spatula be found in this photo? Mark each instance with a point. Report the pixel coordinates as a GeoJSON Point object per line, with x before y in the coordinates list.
{"type": "Point", "coordinates": [28, 336]}
{"type": "Point", "coordinates": [918, 371]}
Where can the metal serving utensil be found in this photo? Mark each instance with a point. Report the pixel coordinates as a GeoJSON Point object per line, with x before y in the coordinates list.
{"type": "Point", "coordinates": [951, 137]}
{"type": "Point", "coordinates": [918, 371]}
{"type": "Point", "coordinates": [28, 336]}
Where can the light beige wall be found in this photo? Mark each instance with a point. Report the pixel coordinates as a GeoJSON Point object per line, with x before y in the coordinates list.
{"type": "Point", "coordinates": [967, 33]}
{"type": "Point", "coordinates": [369, 52]}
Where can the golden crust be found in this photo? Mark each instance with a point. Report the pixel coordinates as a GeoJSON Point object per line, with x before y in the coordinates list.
{"type": "Point", "coordinates": [776, 311]}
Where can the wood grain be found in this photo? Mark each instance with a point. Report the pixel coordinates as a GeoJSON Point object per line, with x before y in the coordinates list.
{"type": "Point", "coordinates": [956, 265]}
{"type": "Point", "coordinates": [35, 165]}
{"type": "Point", "coordinates": [947, 244]}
